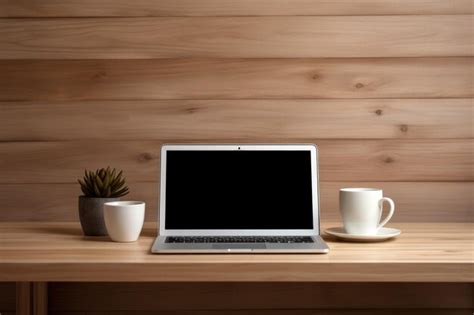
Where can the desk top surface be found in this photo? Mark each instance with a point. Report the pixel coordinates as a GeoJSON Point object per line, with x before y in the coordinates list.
{"type": "Point", "coordinates": [424, 252]}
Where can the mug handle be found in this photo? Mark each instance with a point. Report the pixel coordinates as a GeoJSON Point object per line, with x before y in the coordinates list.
{"type": "Point", "coordinates": [390, 213]}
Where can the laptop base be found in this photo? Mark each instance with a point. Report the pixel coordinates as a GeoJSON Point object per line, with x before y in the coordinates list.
{"type": "Point", "coordinates": [160, 246]}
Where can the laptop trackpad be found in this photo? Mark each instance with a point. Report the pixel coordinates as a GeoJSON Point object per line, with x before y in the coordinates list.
{"type": "Point", "coordinates": [238, 246]}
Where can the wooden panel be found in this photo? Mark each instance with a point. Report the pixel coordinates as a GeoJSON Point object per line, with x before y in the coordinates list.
{"type": "Point", "coordinates": [40, 298]}
{"type": "Point", "coordinates": [23, 298]}
{"type": "Point", "coordinates": [282, 312]}
{"type": "Point", "coordinates": [34, 203]}
{"type": "Point", "coordinates": [7, 297]}
{"type": "Point", "coordinates": [416, 202]}
{"type": "Point", "coordinates": [240, 296]}
{"type": "Point", "coordinates": [424, 252]}
{"type": "Point", "coordinates": [237, 119]}
{"type": "Point", "coordinates": [52, 8]}
{"type": "Point", "coordinates": [256, 37]}
{"type": "Point", "coordinates": [239, 271]}
{"type": "Point", "coordinates": [340, 160]}
{"type": "Point", "coordinates": [235, 78]}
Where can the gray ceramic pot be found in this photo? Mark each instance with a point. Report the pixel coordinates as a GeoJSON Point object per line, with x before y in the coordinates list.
{"type": "Point", "coordinates": [91, 214]}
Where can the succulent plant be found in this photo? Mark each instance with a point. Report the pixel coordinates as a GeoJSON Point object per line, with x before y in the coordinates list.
{"type": "Point", "coordinates": [103, 183]}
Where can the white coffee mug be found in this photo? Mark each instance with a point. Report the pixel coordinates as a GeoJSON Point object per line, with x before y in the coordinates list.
{"type": "Point", "coordinates": [361, 210]}
{"type": "Point", "coordinates": [124, 220]}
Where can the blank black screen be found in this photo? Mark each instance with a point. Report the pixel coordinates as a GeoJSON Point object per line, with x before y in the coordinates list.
{"type": "Point", "coordinates": [238, 190]}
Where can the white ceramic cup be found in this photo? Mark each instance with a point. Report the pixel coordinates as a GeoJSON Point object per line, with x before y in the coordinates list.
{"type": "Point", "coordinates": [124, 220]}
{"type": "Point", "coordinates": [361, 210]}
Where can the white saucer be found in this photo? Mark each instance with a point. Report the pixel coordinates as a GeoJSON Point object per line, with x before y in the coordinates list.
{"type": "Point", "coordinates": [382, 234]}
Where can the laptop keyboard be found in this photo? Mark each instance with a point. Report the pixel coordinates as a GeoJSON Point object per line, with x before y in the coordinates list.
{"type": "Point", "coordinates": [239, 239]}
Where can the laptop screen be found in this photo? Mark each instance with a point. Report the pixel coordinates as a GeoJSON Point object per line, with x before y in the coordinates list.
{"type": "Point", "coordinates": [238, 190]}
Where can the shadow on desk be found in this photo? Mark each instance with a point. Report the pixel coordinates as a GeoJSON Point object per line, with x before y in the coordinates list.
{"type": "Point", "coordinates": [76, 232]}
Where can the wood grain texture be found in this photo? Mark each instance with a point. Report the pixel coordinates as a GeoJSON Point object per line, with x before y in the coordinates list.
{"type": "Point", "coordinates": [40, 298]}
{"type": "Point", "coordinates": [340, 160]}
{"type": "Point", "coordinates": [97, 82]}
{"type": "Point", "coordinates": [235, 78]}
{"type": "Point", "coordinates": [230, 37]}
{"type": "Point", "coordinates": [257, 296]}
{"type": "Point", "coordinates": [102, 8]}
{"type": "Point", "coordinates": [425, 252]}
{"type": "Point", "coordinates": [416, 201]}
{"type": "Point", "coordinates": [24, 298]}
{"type": "Point", "coordinates": [281, 312]}
{"type": "Point", "coordinates": [237, 119]}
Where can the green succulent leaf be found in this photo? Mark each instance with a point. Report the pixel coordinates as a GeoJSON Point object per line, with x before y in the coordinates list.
{"type": "Point", "coordinates": [122, 192]}
{"type": "Point", "coordinates": [112, 174]}
{"type": "Point", "coordinates": [102, 174]}
{"type": "Point", "coordinates": [87, 181]}
{"type": "Point", "coordinates": [107, 180]}
{"type": "Point", "coordinates": [114, 181]}
{"type": "Point", "coordinates": [84, 188]}
{"type": "Point", "coordinates": [90, 178]}
{"type": "Point", "coordinates": [119, 175]}
{"type": "Point", "coordinates": [100, 183]}
{"type": "Point", "coordinates": [96, 190]}
{"type": "Point", "coordinates": [104, 182]}
{"type": "Point", "coordinates": [119, 184]}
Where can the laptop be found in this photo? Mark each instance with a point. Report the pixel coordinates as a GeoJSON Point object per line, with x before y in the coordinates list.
{"type": "Point", "coordinates": [236, 198]}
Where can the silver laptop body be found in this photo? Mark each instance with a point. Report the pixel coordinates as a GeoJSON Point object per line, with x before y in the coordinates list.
{"type": "Point", "coordinates": [232, 198]}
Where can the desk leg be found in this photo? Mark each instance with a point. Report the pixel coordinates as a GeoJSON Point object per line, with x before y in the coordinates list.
{"type": "Point", "coordinates": [31, 298]}
{"type": "Point", "coordinates": [23, 298]}
{"type": "Point", "coordinates": [40, 298]}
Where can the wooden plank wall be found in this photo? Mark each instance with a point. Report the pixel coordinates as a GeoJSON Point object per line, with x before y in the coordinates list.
{"type": "Point", "coordinates": [384, 87]}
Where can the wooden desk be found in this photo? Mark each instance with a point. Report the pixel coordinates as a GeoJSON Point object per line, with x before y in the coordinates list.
{"type": "Point", "coordinates": [429, 266]}
{"type": "Point", "coordinates": [428, 252]}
